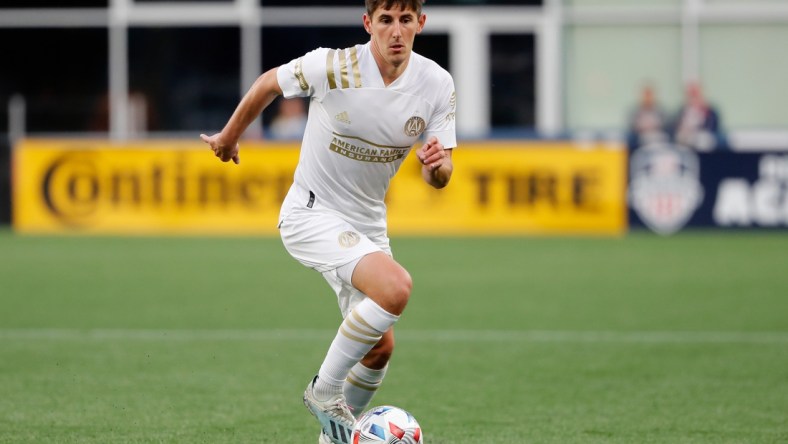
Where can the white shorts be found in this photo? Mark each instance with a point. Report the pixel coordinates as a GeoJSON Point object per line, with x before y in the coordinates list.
{"type": "Point", "coordinates": [322, 240]}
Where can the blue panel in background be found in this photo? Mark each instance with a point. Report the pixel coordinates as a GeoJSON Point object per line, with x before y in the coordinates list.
{"type": "Point", "coordinates": [671, 188]}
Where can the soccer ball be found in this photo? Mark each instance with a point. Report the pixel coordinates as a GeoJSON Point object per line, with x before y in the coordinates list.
{"type": "Point", "coordinates": [387, 424]}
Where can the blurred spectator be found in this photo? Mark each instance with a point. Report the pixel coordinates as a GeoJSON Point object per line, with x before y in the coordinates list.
{"type": "Point", "coordinates": [290, 120]}
{"type": "Point", "coordinates": [697, 124]}
{"type": "Point", "coordinates": [648, 122]}
{"type": "Point", "coordinates": [140, 118]}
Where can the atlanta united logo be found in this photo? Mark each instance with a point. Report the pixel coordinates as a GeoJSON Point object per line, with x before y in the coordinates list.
{"type": "Point", "coordinates": [348, 239]}
{"type": "Point", "coordinates": [665, 188]}
{"type": "Point", "coordinates": [415, 126]}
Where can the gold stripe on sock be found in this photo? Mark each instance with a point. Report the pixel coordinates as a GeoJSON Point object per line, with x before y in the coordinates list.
{"type": "Point", "coordinates": [365, 380]}
{"type": "Point", "coordinates": [357, 329]}
{"type": "Point", "coordinates": [361, 385]}
{"type": "Point", "coordinates": [361, 321]}
{"type": "Point", "coordinates": [352, 337]}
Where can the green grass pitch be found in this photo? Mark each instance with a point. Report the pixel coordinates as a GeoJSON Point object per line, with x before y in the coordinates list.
{"type": "Point", "coordinates": [640, 339]}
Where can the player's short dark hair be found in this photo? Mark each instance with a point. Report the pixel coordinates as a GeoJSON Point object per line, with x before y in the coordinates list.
{"type": "Point", "coordinates": [373, 5]}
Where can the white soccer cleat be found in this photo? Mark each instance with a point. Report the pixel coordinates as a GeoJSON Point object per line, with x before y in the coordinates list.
{"type": "Point", "coordinates": [323, 438]}
{"type": "Point", "coordinates": [334, 415]}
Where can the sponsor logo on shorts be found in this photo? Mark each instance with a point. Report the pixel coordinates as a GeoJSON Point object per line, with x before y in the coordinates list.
{"type": "Point", "coordinates": [349, 239]}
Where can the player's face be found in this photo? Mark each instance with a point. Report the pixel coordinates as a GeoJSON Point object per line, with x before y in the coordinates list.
{"type": "Point", "coordinates": [393, 32]}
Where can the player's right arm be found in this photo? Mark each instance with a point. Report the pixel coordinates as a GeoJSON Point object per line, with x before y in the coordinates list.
{"type": "Point", "coordinates": [264, 90]}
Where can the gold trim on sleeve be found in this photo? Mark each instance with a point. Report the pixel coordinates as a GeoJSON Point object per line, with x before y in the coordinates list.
{"type": "Point", "coordinates": [299, 75]}
{"type": "Point", "coordinates": [356, 69]}
{"type": "Point", "coordinates": [332, 81]}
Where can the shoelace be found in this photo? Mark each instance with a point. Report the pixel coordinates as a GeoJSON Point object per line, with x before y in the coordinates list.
{"type": "Point", "coordinates": [339, 409]}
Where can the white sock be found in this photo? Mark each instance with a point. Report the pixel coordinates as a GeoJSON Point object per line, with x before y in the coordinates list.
{"type": "Point", "coordinates": [361, 385]}
{"type": "Point", "coordinates": [360, 331]}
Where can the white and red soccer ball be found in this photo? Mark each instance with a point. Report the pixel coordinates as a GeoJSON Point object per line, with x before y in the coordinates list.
{"type": "Point", "coordinates": [387, 424]}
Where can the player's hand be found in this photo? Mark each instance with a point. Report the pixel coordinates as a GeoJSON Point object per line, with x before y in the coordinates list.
{"type": "Point", "coordinates": [224, 152]}
{"type": "Point", "coordinates": [432, 154]}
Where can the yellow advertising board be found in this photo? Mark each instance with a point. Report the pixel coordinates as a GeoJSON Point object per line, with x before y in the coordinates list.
{"type": "Point", "coordinates": [177, 187]}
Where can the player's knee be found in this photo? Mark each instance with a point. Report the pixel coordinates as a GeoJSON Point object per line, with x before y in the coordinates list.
{"type": "Point", "coordinates": [399, 292]}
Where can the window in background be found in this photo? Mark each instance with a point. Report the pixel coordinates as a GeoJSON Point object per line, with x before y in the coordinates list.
{"type": "Point", "coordinates": [183, 1]}
{"type": "Point", "coordinates": [743, 72]}
{"type": "Point", "coordinates": [429, 3]}
{"type": "Point", "coordinates": [189, 77]}
{"type": "Point", "coordinates": [301, 40]}
{"type": "Point", "coordinates": [54, 3]}
{"type": "Point", "coordinates": [758, 3]}
{"type": "Point", "coordinates": [435, 47]}
{"type": "Point", "coordinates": [513, 81]}
{"type": "Point", "coordinates": [624, 3]}
{"type": "Point", "coordinates": [607, 66]}
{"type": "Point", "coordinates": [60, 72]}
{"type": "Point", "coordinates": [486, 2]}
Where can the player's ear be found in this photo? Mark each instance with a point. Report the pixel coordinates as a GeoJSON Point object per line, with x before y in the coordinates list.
{"type": "Point", "coordinates": [422, 21]}
{"type": "Point", "coordinates": [367, 23]}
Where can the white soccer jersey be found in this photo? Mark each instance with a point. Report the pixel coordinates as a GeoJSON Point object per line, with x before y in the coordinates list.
{"type": "Point", "coordinates": [359, 131]}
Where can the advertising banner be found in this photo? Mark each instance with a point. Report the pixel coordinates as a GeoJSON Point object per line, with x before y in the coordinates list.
{"type": "Point", "coordinates": [176, 187]}
{"type": "Point", "coordinates": [672, 187]}
{"type": "Point", "coordinates": [516, 188]}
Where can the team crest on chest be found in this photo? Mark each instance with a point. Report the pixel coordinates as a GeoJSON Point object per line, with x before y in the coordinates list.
{"type": "Point", "coordinates": [415, 126]}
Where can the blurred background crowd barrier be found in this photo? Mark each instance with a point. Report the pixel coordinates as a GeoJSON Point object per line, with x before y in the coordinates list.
{"type": "Point", "coordinates": [578, 116]}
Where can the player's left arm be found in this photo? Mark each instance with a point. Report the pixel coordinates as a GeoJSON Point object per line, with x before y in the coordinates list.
{"type": "Point", "coordinates": [440, 135]}
{"type": "Point", "coordinates": [436, 163]}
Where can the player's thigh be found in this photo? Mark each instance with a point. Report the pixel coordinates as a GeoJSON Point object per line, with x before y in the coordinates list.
{"type": "Point", "coordinates": [384, 280]}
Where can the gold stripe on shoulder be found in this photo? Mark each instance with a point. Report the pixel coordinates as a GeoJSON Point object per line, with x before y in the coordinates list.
{"type": "Point", "coordinates": [356, 69]}
{"type": "Point", "coordinates": [299, 74]}
{"type": "Point", "coordinates": [343, 68]}
{"type": "Point", "coordinates": [332, 81]}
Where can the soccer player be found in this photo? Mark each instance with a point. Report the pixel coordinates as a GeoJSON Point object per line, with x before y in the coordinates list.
{"type": "Point", "coordinates": [369, 104]}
